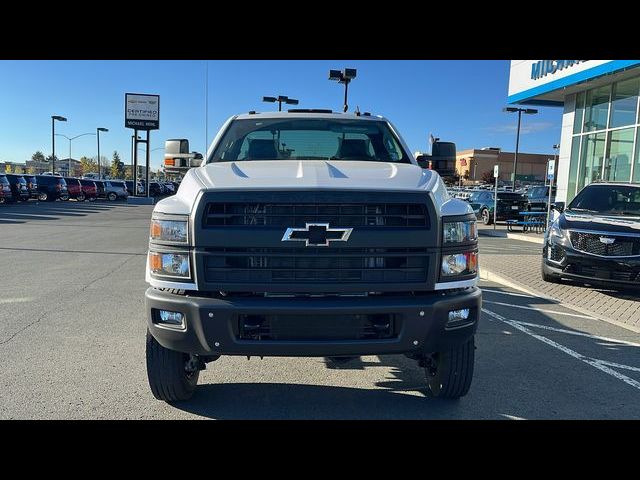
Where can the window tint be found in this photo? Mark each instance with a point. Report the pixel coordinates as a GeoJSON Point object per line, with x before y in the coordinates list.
{"type": "Point", "coordinates": [537, 192]}
{"type": "Point", "coordinates": [3, 179]}
{"type": "Point", "coordinates": [309, 139]}
{"type": "Point", "coordinates": [597, 108]}
{"type": "Point", "coordinates": [607, 199]}
{"type": "Point", "coordinates": [624, 103]}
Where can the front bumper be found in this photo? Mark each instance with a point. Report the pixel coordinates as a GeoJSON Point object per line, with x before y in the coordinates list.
{"type": "Point", "coordinates": [567, 262]}
{"type": "Point", "coordinates": [212, 323]}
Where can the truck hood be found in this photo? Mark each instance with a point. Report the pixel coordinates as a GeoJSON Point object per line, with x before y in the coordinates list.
{"type": "Point", "coordinates": [305, 174]}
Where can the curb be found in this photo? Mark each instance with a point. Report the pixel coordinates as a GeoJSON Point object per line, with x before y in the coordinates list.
{"type": "Point", "coordinates": [494, 277]}
{"type": "Point", "coordinates": [525, 238]}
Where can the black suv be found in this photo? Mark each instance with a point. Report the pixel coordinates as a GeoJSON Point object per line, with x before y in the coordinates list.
{"type": "Point", "coordinates": [538, 198]}
{"type": "Point", "coordinates": [5, 189]}
{"type": "Point", "coordinates": [32, 185]}
{"type": "Point", "coordinates": [51, 187]}
{"type": "Point", "coordinates": [596, 239]}
{"type": "Point", "coordinates": [18, 187]}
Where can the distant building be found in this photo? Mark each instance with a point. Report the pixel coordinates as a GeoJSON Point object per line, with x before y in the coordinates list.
{"type": "Point", "coordinates": [38, 167]}
{"type": "Point", "coordinates": [69, 167]}
{"type": "Point", "coordinates": [472, 164]}
{"type": "Point", "coordinates": [12, 167]}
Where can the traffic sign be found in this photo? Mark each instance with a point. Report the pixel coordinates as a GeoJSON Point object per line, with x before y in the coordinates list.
{"type": "Point", "coordinates": [551, 167]}
{"type": "Point", "coordinates": [495, 171]}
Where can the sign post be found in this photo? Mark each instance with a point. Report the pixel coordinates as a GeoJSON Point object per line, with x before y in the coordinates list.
{"type": "Point", "coordinates": [496, 172]}
{"type": "Point", "coordinates": [551, 167]}
{"type": "Point", "coordinates": [141, 112]}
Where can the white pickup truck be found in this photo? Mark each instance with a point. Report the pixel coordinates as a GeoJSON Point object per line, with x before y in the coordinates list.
{"type": "Point", "coordinates": [311, 233]}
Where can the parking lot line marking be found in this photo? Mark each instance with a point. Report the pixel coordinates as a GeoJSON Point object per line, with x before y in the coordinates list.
{"type": "Point", "coordinates": [578, 315]}
{"type": "Point", "coordinates": [579, 334]}
{"type": "Point", "coordinates": [618, 365]}
{"type": "Point", "coordinates": [572, 353]}
{"type": "Point", "coordinates": [507, 293]}
{"type": "Point", "coordinates": [15, 300]}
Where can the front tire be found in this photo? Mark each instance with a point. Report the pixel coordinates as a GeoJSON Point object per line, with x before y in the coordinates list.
{"type": "Point", "coordinates": [169, 377]}
{"type": "Point", "coordinates": [486, 218]}
{"type": "Point", "coordinates": [449, 373]}
{"type": "Point", "coordinates": [112, 197]}
{"type": "Point", "coordinates": [81, 198]}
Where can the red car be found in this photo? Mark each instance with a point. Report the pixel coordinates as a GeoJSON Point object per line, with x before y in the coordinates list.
{"type": "Point", "coordinates": [75, 189]}
{"type": "Point", "coordinates": [89, 188]}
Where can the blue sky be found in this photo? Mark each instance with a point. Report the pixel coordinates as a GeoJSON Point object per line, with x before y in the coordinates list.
{"type": "Point", "coordinates": [459, 101]}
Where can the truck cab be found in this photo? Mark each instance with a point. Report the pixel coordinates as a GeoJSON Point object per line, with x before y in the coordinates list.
{"type": "Point", "coordinates": [310, 233]}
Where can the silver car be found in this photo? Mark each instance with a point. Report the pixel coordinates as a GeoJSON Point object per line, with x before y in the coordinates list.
{"type": "Point", "coordinates": [115, 189]}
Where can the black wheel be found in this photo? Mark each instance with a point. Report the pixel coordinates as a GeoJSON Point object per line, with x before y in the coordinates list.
{"type": "Point", "coordinates": [486, 218]}
{"type": "Point", "coordinates": [172, 375]}
{"type": "Point", "coordinates": [81, 198]}
{"type": "Point", "coordinates": [449, 373]}
{"type": "Point", "coordinates": [43, 196]}
{"type": "Point", "coordinates": [549, 277]}
{"type": "Point", "coordinates": [112, 197]}
{"type": "Point", "coordinates": [2, 200]}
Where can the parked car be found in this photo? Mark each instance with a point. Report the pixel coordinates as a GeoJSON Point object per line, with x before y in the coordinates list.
{"type": "Point", "coordinates": [169, 189]}
{"type": "Point", "coordinates": [51, 187]}
{"type": "Point", "coordinates": [5, 189]}
{"type": "Point", "coordinates": [538, 198]}
{"type": "Point", "coordinates": [100, 187]}
{"type": "Point", "coordinates": [115, 189]}
{"type": "Point", "coordinates": [75, 189]}
{"type": "Point", "coordinates": [509, 206]}
{"type": "Point", "coordinates": [139, 189]}
{"type": "Point", "coordinates": [155, 189]}
{"type": "Point", "coordinates": [89, 188]}
{"type": "Point", "coordinates": [18, 187]}
{"type": "Point", "coordinates": [32, 185]}
{"type": "Point", "coordinates": [596, 239]}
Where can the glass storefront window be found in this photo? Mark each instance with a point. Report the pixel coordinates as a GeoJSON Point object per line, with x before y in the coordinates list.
{"type": "Point", "coordinates": [592, 159]}
{"type": "Point", "coordinates": [624, 103]}
{"type": "Point", "coordinates": [617, 165]}
{"type": "Point", "coordinates": [577, 121]}
{"type": "Point", "coordinates": [597, 108]}
{"type": "Point", "coordinates": [636, 166]}
{"type": "Point", "coordinates": [573, 168]}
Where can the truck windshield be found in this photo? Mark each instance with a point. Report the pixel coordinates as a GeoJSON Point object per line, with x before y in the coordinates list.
{"type": "Point", "coordinates": [608, 200]}
{"type": "Point", "coordinates": [309, 139]}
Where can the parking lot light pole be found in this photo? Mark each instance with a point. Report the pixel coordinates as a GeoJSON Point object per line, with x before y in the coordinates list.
{"type": "Point", "coordinates": [528, 111]}
{"type": "Point", "coordinates": [343, 76]}
{"type": "Point", "coordinates": [280, 99]}
{"type": "Point", "coordinates": [53, 140]}
{"type": "Point", "coordinates": [98, 130]}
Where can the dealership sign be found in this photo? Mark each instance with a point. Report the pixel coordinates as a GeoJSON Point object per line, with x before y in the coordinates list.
{"type": "Point", "coordinates": [142, 112]}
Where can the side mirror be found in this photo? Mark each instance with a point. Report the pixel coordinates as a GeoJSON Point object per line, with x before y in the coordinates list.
{"type": "Point", "coordinates": [423, 161]}
{"type": "Point", "coordinates": [177, 158]}
{"type": "Point", "coordinates": [558, 206]}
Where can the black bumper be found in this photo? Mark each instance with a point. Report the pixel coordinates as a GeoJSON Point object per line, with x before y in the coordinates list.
{"type": "Point", "coordinates": [593, 269]}
{"type": "Point", "coordinates": [212, 323]}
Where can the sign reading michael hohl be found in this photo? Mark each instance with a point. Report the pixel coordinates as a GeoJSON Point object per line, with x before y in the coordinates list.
{"type": "Point", "coordinates": [141, 111]}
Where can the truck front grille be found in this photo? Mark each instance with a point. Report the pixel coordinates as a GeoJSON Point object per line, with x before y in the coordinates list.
{"type": "Point", "coordinates": [622, 246]}
{"type": "Point", "coordinates": [316, 265]}
{"type": "Point", "coordinates": [317, 327]}
{"type": "Point", "coordinates": [297, 215]}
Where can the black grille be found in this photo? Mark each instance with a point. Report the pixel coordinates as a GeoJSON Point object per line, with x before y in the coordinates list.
{"type": "Point", "coordinates": [556, 253]}
{"type": "Point", "coordinates": [316, 265]}
{"type": "Point", "coordinates": [317, 327]}
{"type": "Point", "coordinates": [297, 215]}
{"type": "Point", "coordinates": [604, 273]}
{"type": "Point", "coordinates": [622, 246]}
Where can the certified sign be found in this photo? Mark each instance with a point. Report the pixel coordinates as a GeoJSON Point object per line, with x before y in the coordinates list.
{"type": "Point", "coordinates": [142, 111]}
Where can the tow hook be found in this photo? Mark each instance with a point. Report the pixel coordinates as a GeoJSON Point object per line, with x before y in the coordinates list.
{"type": "Point", "coordinates": [194, 364]}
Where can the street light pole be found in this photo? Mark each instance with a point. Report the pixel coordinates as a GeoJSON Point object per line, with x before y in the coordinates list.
{"type": "Point", "coordinates": [529, 111]}
{"type": "Point", "coordinates": [345, 76]}
{"type": "Point", "coordinates": [53, 140]}
{"type": "Point", "coordinates": [98, 130]}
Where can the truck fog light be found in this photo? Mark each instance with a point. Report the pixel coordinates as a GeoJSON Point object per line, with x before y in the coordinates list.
{"type": "Point", "coordinates": [456, 315]}
{"type": "Point", "coordinates": [171, 318]}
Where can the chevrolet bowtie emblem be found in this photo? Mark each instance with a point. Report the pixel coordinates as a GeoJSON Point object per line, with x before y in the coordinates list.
{"type": "Point", "coordinates": [317, 235]}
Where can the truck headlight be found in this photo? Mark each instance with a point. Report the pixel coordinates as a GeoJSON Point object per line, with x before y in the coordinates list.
{"type": "Point", "coordinates": [459, 232]}
{"type": "Point", "coordinates": [459, 264]}
{"type": "Point", "coordinates": [173, 230]}
{"type": "Point", "coordinates": [169, 264]}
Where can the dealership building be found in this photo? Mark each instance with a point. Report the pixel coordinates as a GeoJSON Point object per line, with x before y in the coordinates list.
{"type": "Point", "coordinates": [599, 135]}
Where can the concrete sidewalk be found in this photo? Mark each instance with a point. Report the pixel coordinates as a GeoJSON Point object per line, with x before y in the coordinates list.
{"type": "Point", "coordinates": [516, 264]}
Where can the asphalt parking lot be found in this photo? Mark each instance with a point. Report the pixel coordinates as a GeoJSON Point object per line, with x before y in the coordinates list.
{"type": "Point", "coordinates": [72, 336]}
